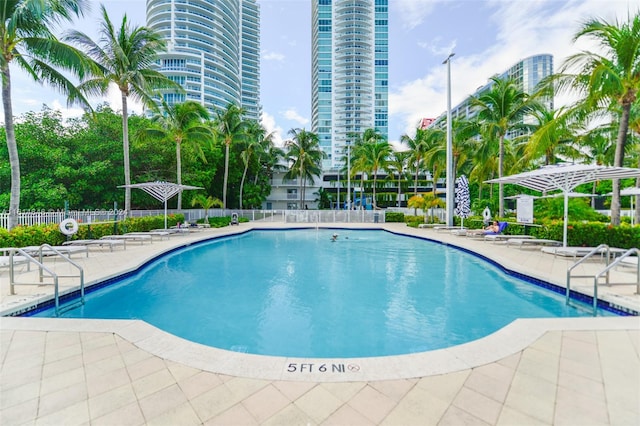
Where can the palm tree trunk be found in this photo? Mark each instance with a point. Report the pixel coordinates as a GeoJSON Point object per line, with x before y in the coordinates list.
{"type": "Point", "coordinates": [12, 147]}
{"type": "Point", "coordinates": [637, 212]}
{"type": "Point", "coordinates": [362, 191]}
{"type": "Point", "coordinates": [415, 187]}
{"type": "Point", "coordinates": [244, 175]}
{"type": "Point", "coordinates": [125, 148]}
{"type": "Point", "coordinates": [501, 185]}
{"type": "Point", "coordinates": [375, 176]}
{"type": "Point", "coordinates": [399, 191]}
{"type": "Point", "coordinates": [618, 162]}
{"type": "Point", "coordinates": [179, 173]}
{"type": "Point", "coordinates": [226, 174]}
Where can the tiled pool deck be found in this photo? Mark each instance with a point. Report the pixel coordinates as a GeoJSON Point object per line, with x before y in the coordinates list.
{"type": "Point", "coordinates": [561, 371]}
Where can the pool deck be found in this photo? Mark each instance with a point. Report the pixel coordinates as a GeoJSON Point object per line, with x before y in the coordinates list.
{"type": "Point", "coordinates": [539, 371]}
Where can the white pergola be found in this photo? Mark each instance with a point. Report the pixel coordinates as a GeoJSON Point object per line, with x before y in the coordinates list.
{"type": "Point", "coordinates": [566, 177]}
{"type": "Point", "coordinates": [161, 191]}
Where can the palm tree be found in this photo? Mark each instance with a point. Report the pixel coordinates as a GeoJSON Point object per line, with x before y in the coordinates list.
{"type": "Point", "coordinates": [554, 136]}
{"type": "Point", "coordinates": [485, 165]}
{"type": "Point", "coordinates": [305, 158]}
{"type": "Point", "coordinates": [181, 124]}
{"type": "Point", "coordinates": [634, 125]}
{"type": "Point", "coordinates": [500, 111]}
{"type": "Point", "coordinates": [375, 157]}
{"type": "Point", "coordinates": [125, 57]}
{"type": "Point", "coordinates": [608, 79]}
{"type": "Point", "coordinates": [417, 149]}
{"type": "Point", "coordinates": [27, 41]}
{"type": "Point", "coordinates": [231, 129]}
{"type": "Point", "coordinates": [358, 163]}
{"type": "Point", "coordinates": [258, 142]}
{"type": "Point", "coordinates": [398, 164]}
{"type": "Point", "coordinates": [463, 145]}
{"type": "Point", "coordinates": [206, 203]}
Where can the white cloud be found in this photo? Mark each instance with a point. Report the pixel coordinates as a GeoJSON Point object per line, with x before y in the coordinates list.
{"type": "Point", "coordinates": [437, 47]}
{"type": "Point", "coordinates": [523, 29]}
{"type": "Point", "coordinates": [413, 12]}
{"type": "Point", "coordinates": [292, 115]}
{"type": "Point", "coordinates": [272, 56]}
{"type": "Point", "coordinates": [67, 112]}
{"type": "Point", "coordinates": [269, 123]}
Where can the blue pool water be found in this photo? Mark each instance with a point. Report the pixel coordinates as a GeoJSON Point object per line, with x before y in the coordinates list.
{"type": "Point", "coordinates": [297, 293]}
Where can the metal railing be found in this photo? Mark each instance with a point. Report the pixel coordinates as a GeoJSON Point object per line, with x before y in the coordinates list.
{"type": "Point", "coordinates": [602, 250]}
{"type": "Point", "coordinates": [41, 273]}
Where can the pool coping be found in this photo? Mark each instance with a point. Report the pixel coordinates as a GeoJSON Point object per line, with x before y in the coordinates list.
{"type": "Point", "coordinates": [511, 339]}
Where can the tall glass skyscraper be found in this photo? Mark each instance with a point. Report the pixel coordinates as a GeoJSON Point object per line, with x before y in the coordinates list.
{"type": "Point", "coordinates": [213, 51]}
{"type": "Point", "coordinates": [526, 74]}
{"type": "Point", "coordinates": [350, 72]}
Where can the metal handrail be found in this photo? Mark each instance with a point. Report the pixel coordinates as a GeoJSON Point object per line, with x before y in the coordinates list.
{"type": "Point", "coordinates": [597, 250]}
{"type": "Point", "coordinates": [42, 269]}
{"type": "Point", "coordinates": [612, 265]}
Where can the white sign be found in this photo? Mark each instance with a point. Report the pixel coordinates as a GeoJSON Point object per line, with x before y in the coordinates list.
{"type": "Point", "coordinates": [524, 209]}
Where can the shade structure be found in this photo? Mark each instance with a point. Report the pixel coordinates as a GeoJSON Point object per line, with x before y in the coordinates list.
{"type": "Point", "coordinates": [161, 191]}
{"type": "Point", "coordinates": [566, 177]}
{"type": "Point", "coordinates": [570, 195]}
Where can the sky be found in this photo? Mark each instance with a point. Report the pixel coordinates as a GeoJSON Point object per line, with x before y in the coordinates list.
{"type": "Point", "coordinates": [487, 37]}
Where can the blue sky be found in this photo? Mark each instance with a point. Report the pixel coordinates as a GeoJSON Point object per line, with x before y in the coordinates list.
{"type": "Point", "coordinates": [487, 36]}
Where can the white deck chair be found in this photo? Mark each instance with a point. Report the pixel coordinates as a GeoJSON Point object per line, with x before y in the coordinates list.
{"type": "Point", "coordinates": [521, 242]}
{"type": "Point", "coordinates": [137, 238]}
{"type": "Point", "coordinates": [99, 243]}
{"type": "Point", "coordinates": [66, 250]}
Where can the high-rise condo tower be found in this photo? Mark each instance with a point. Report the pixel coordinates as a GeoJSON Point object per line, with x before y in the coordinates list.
{"type": "Point", "coordinates": [213, 51]}
{"type": "Point", "coordinates": [350, 73]}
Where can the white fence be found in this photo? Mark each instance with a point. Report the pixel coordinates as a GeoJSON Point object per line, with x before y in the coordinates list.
{"type": "Point", "coordinates": [28, 218]}
{"type": "Point", "coordinates": [286, 216]}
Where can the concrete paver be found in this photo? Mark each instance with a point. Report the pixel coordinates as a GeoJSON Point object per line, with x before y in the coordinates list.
{"type": "Point", "coordinates": [585, 372]}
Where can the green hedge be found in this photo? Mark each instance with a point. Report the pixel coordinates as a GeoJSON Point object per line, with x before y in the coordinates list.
{"type": "Point", "coordinates": [394, 217]}
{"type": "Point", "coordinates": [591, 234]}
{"type": "Point", "coordinates": [36, 235]}
{"type": "Point", "coordinates": [220, 222]}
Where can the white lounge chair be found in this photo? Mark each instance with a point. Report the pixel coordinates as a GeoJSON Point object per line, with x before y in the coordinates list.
{"type": "Point", "coordinates": [65, 250]}
{"type": "Point", "coordinates": [160, 235]}
{"type": "Point", "coordinates": [521, 242]}
{"type": "Point", "coordinates": [99, 243]}
{"type": "Point", "coordinates": [629, 261]}
{"type": "Point", "coordinates": [576, 252]}
{"type": "Point", "coordinates": [137, 238]}
{"type": "Point", "coordinates": [502, 237]}
{"type": "Point", "coordinates": [5, 257]}
{"type": "Point", "coordinates": [448, 228]}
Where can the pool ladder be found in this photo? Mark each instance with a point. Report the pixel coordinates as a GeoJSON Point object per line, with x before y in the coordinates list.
{"type": "Point", "coordinates": [602, 250]}
{"type": "Point", "coordinates": [45, 272]}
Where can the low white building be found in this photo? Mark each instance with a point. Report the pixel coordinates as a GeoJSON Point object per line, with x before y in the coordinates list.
{"type": "Point", "coordinates": [285, 193]}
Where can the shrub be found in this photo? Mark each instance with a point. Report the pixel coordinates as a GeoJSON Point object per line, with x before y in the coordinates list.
{"type": "Point", "coordinates": [22, 236]}
{"type": "Point", "coordinates": [413, 221]}
{"type": "Point", "coordinates": [220, 222]}
{"type": "Point", "coordinates": [591, 234]}
{"type": "Point", "coordinates": [394, 217]}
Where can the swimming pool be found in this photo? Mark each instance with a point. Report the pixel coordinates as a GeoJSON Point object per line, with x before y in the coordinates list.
{"type": "Point", "coordinates": [297, 293]}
